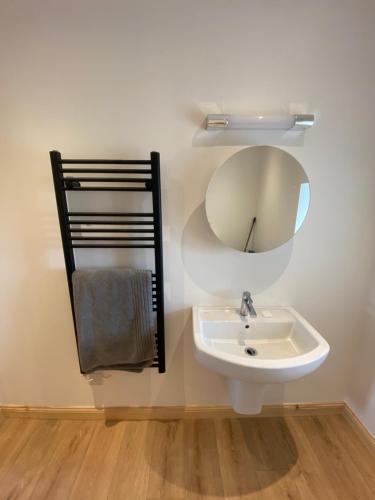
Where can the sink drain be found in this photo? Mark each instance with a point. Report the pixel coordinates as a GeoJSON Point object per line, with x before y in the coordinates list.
{"type": "Point", "coordinates": [251, 351]}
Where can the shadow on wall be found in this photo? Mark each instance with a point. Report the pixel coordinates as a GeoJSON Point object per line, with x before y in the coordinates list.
{"type": "Point", "coordinates": [362, 390]}
{"type": "Point", "coordinates": [225, 272]}
{"type": "Point", "coordinates": [149, 388]}
{"type": "Point", "coordinates": [205, 138]}
{"type": "Point", "coordinates": [177, 387]}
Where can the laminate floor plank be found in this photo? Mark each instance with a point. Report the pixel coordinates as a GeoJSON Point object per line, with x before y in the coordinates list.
{"type": "Point", "coordinates": [237, 464]}
{"type": "Point", "coordinates": [309, 465]}
{"type": "Point", "coordinates": [361, 471]}
{"type": "Point", "coordinates": [202, 468]}
{"type": "Point", "coordinates": [27, 465]}
{"type": "Point", "coordinates": [59, 473]}
{"type": "Point", "coordinates": [131, 470]}
{"type": "Point", "coordinates": [362, 437]}
{"type": "Point", "coordinates": [94, 478]}
{"type": "Point", "coordinates": [338, 468]}
{"type": "Point", "coordinates": [343, 433]}
{"type": "Point", "coordinates": [14, 432]}
{"type": "Point", "coordinates": [166, 479]}
{"type": "Point", "coordinates": [285, 485]}
{"type": "Point", "coordinates": [270, 443]}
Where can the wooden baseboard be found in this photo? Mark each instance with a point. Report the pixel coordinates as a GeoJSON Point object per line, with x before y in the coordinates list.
{"type": "Point", "coordinates": [167, 412]}
{"type": "Point", "coordinates": [189, 412]}
{"type": "Point", "coordinates": [360, 429]}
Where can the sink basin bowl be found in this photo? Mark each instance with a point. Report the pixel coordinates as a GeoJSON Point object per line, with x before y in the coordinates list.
{"type": "Point", "coordinates": [277, 346]}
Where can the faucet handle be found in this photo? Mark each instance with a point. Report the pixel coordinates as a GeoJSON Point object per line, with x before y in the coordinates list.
{"type": "Point", "coordinates": [247, 297]}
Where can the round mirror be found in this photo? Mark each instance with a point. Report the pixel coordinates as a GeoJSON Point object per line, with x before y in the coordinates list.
{"type": "Point", "coordinates": [258, 199]}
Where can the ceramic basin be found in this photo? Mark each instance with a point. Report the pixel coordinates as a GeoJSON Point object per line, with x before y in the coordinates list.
{"type": "Point", "coordinates": [284, 345]}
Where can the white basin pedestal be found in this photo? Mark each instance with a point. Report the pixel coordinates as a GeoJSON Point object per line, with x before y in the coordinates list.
{"type": "Point", "coordinates": [277, 346]}
{"type": "Point", "coordinates": [245, 397]}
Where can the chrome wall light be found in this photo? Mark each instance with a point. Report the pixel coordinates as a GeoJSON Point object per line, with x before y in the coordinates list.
{"type": "Point", "coordinates": [280, 122]}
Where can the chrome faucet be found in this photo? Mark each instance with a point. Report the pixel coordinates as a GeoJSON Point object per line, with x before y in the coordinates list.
{"type": "Point", "coordinates": [247, 306]}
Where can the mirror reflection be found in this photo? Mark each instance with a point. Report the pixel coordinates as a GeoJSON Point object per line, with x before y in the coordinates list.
{"type": "Point", "coordinates": [258, 199]}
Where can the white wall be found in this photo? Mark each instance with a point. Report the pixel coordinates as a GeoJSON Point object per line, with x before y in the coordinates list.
{"type": "Point", "coordinates": [361, 393]}
{"type": "Point", "coordinates": [121, 78]}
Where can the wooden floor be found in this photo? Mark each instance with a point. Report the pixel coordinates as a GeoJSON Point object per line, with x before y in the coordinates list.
{"type": "Point", "coordinates": [318, 457]}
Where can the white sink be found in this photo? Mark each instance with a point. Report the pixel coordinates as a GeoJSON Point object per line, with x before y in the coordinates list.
{"type": "Point", "coordinates": [287, 348]}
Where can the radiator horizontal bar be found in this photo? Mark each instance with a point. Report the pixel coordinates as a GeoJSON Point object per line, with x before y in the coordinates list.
{"type": "Point", "coordinates": [113, 222]}
{"type": "Point", "coordinates": [106, 171]}
{"type": "Point", "coordinates": [110, 230]}
{"type": "Point", "coordinates": [111, 214]}
{"type": "Point", "coordinates": [110, 246]}
{"type": "Point", "coordinates": [107, 179]}
{"type": "Point", "coordinates": [112, 238]}
{"type": "Point", "coordinates": [104, 162]}
{"type": "Point", "coordinates": [100, 188]}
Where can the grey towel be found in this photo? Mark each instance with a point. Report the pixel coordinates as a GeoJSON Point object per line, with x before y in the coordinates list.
{"type": "Point", "coordinates": [114, 319]}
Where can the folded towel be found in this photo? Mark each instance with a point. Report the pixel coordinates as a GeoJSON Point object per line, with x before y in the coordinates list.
{"type": "Point", "coordinates": [114, 319]}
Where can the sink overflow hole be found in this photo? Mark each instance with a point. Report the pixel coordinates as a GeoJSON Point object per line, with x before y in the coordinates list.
{"type": "Point", "coordinates": [251, 351]}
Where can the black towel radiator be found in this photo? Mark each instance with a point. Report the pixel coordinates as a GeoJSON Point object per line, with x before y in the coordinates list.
{"type": "Point", "coordinates": [144, 176]}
